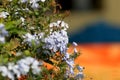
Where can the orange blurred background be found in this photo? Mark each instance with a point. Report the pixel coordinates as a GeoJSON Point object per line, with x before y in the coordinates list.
{"type": "Point", "coordinates": [101, 61]}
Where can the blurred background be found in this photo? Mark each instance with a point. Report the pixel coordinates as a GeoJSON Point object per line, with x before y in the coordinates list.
{"type": "Point", "coordinates": [95, 25]}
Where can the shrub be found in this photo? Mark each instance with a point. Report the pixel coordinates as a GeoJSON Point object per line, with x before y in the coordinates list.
{"type": "Point", "coordinates": [30, 38]}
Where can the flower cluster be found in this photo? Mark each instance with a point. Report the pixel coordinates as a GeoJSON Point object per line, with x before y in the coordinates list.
{"type": "Point", "coordinates": [57, 41]}
{"type": "Point", "coordinates": [58, 38]}
{"type": "Point", "coordinates": [58, 25]}
{"type": "Point", "coordinates": [80, 74]}
{"type": "Point", "coordinates": [29, 38]}
{"type": "Point", "coordinates": [34, 3]}
{"type": "Point", "coordinates": [71, 65]}
{"type": "Point", "coordinates": [3, 33]}
{"type": "Point", "coordinates": [22, 67]}
{"type": "Point", "coordinates": [4, 14]}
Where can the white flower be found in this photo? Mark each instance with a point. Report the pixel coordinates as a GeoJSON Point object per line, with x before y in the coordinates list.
{"type": "Point", "coordinates": [26, 9]}
{"type": "Point", "coordinates": [24, 64]}
{"type": "Point", "coordinates": [35, 67]}
{"type": "Point", "coordinates": [70, 63]}
{"type": "Point", "coordinates": [1, 26]}
{"type": "Point", "coordinates": [4, 71]}
{"type": "Point", "coordinates": [35, 5]}
{"type": "Point", "coordinates": [34, 1]}
{"type": "Point", "coordinates": [41, 35]}
{"type": "Point", "coordinates": [10, 66]}
{"type": "Point", "coordinates": [67, 74]}
{"type": "Point", "coordinates": [14, 68]}
{"type": "Point", "coordinates": [53, 24]}
{"type": "Point", "coordinates": [29, 60]}
{"type": "Point", "coordinates": [10, 0]}
{"type": "Point", "coordinates": [29, 38]}
{"type": "Point", "coordinates": [3, 33]}
{"type": "Point", "coordinates": [43, 0]}
{"type": "Point", "coordinates": [75, 50]}
{"type": "Point", "coordinates": [36, 70]}
{"type": "Point", "coordinates": [16, 13]}
{"type": "Point", "coordinates": [75, 44]}
{"type": "Point", "coordinates": [18, 53]}
{"type": "Point", "coordinates": [16, 71]}
{"type": "Point", "coordinates": [62, 24]}
{"type": "Point", "coordinates": [23, 61]}
{"type": "Point", "coordinates": [71, 71]}
{"type": "Point", "coordinates": [79, 76]}
{"type": "Point", "coordinates": [27, 63]}
{"type": "Point", "coordinates": [58, 40]}
{"type": "Point", "coordinates": [35, 63]}
{"type": "Point", "coordinates": [59, 24]}
{"type": "Point", "coordinates": [23, 1]}
{"type": "Point", "coordinates": [2, 39]}
{"type": "Point", "coordinates": [10, 75]}
{"type": "Point", "coordinates": [32, 28]}
{"type": "Point", "coordinates": [23, 20]}
{"type": "Point", "coordinates": [23, 68]}
{"type": "Point", "coordinates": [67, 55]}
{"type": "Point", "coordinates": [80, 68]}
{"type": "Point", "coordinates": [4, 14]}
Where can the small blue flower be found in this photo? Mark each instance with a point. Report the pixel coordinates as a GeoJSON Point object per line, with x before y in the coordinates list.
{"type": "Point", "coordinates": [79, 76]}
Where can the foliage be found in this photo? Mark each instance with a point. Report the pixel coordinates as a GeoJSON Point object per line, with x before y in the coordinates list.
{"type": "Point", "coordinates": [30, 38]}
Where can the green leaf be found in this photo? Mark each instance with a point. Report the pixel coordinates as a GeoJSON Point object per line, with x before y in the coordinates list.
{"type": "Point", "coordinates": [27, 52]}
{"type": "Point", "coordinates": [2, 9]}
{"type": "Point", "coordinates": [5, 60]}
{"type": "Point", "coordinates": [16, 31]}
{"type": "Point", "coordinates": [9, 25]}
